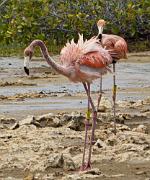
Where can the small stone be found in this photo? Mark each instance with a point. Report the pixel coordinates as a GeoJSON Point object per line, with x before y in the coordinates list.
{"type": "Point", "coordinates": [141, 128]}
{"type": "Point", "coordinates": [27, 121]}
{"type": "Point", "coordinates": [49, 120]}
{"type": "Point", "coordinates": [8, 123]}
{"type": "Point", "coordinates": [99, 143]}
{"type": "Point", "coordinates": [106, 102]}
{"type": "Point", "coordinates": [111, 141]}
{"type": "Point", "coordinates": [14, 126]}
{"type": "Point", "coordinates": [138, 103]}
{"type": "Point", "coordinates": [94, 171]}
{"type": "Point", "coordinates": [29, 177]}
{"type": "Point", "coordinates": [124, 104]}
{"type": "Point", "coordinates": [60, 161]}
{"type": "Point", "coordinates": [102, 109]}
{"type": "Point", "coordinates": [77, 123]}
{"type": "Point", "coordinates": [57, 122]}
{"type": "Point", "coordinates": [55, 161]}
{"type": "Point", "coordinates": [68, 163]}
{"type": "Point", "coordinates": [140, 172]}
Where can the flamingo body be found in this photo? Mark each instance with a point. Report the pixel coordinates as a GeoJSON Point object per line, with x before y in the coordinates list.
{"type": "Point", "coordinates": [117, 47]}
{"type": "Point", "coordinates": [85, 60]}
{"type": "Point", "coordinates": [116, 44]}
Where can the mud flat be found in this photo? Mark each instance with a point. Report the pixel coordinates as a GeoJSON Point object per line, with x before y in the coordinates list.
{"type": "Point", "coordinates": [42, 123]}
{"type": "Point", "coordinates": [50, 146]}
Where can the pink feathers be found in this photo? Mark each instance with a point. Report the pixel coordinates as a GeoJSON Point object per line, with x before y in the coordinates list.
{"type": "Point", "coordinates": [73, 51]}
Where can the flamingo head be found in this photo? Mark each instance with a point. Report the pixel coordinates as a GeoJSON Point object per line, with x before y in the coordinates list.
{"type": "Point", "coordinates": [28, 52]}
{"type": "Point", "coordinates": [100, 24]}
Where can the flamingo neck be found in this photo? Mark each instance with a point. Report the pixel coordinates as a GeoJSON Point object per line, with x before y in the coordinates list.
{"type": "Point", "coordinates": [58, 68]}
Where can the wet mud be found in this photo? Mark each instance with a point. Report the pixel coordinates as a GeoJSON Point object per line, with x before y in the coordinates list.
{"type": "Point", "coordinates": [42, 123]}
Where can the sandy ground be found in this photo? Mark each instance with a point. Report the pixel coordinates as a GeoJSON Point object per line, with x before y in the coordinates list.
{"type": "Point", "coordinates": [48, 144]}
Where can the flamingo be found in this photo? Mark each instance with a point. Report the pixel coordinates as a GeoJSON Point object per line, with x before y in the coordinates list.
{"type": "Point", "coordinates": [83, 62]}
{"type": "Point", "coordinates": [117, 47]}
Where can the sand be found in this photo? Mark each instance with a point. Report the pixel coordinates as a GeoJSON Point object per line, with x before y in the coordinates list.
{"type": "Point", "coordinates": [42, 125]}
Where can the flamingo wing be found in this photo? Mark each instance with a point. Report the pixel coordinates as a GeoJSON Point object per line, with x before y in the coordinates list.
{"type": "Point", "coordinates": [93, 60]}
{"type": "Point", "coordinates": [94, 63]}
{"type": "Point", "coordinates": [73, 51]}
{"type": "Point", "coordinates": [116, 45]}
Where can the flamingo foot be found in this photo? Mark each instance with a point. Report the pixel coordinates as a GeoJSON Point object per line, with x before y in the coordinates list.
{"type": "Point", "coordinates": [85, 167]}
{"type": "Point", "coordinates": [82, 167]}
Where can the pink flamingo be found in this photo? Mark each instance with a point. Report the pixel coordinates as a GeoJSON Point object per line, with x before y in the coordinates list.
{"type": "Point", "coordinates": [83, 62]}
{"type": "Point", "coordinates": [117, 47]}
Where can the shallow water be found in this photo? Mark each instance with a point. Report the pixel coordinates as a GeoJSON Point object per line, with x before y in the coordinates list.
{"type": "Point", "coordinates": [128, 75]}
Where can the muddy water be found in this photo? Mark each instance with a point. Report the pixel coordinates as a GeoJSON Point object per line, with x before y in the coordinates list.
{"type": "Point", "coordinates": [132, 79]}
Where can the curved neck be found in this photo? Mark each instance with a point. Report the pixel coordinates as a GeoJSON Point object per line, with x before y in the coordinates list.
{"type": "Point", "coordinates": [58, 68]}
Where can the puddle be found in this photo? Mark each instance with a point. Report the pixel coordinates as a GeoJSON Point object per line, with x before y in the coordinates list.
{"type": "Point", "coordinates": [128, 75]}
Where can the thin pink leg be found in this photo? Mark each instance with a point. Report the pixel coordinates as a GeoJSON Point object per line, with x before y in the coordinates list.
{"type": "Point", "coordinates": [88, 165]}
{"type": "Point", "coordinates": [86, 131]}
{"type": "Point", "coordinates": [100, 93]}
{"type": "Point", "coordinates": [114, 97]}
{"type": "Point", "coordinates": [85, 143]}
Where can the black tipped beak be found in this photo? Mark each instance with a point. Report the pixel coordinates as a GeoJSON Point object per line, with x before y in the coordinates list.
{"type": "Point", "coordinates": [26, 70]}
{"type": "Point", "coordinates": [100, 37]}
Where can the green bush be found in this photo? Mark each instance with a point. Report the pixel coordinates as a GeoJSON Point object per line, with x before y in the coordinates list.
{"type": "Point", "coordinates": [56, 21]}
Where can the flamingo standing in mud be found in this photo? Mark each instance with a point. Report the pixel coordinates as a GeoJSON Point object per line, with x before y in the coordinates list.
{"type": "Point", "coordinates": [117, 47]}
{"type": "Point", "coordinates": [83, 62]}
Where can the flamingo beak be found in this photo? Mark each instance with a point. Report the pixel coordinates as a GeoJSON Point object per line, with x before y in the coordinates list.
{"type": "Point", "coordinates": [100, 29]}
{"type": "Point", "coordinates": [26, 64]}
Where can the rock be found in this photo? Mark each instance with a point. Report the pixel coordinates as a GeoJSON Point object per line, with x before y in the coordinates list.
{"type": "Point", "coordinates": [125, 116]}
{"type": "Point", "coordinates": [60, 161]}
{"type": "Point", "coordinates": [102, 109]}
{"type": "Point", "coordinates": [105, 102]}
{"type": "Point", "coordinates": [138, 103]}
{"type": "Point", "coordinates": [45, 177]}
{"type": "Point", "coordinates": [72, 177]}
{"type": "Point", "coordinates": [77, 123]}
{"type": "Point", "coordinates": [66, 117]}
{"type": "Point", "coordinates": [145, 110]}
{"type": "Point", "coordinates": [141, 128]}
{"type": "Point", "coordinates": [49, 120]}
{"type": "Point", "coordinates": [26, 128]}
{"type": "Point", "coordinates": [55, 161]}
{"type": "Point", "coordinates": [111, 141]}
{"type": "Point", "coordinates": [94, 171]}
{"type": "Point", "coordinates": [45, 116]}
{"type": "Point", "coordinates": [115, 176]}
{"type": "Point", "coordinates": [123, 128]}
{"type": "Point", "coordinates": [14, 126]}
{"type": "Point", "coordinates": [89, 174]}
{"type": "Point", "coordinates": [140, 173]}
{"type": "Point", "coordinates": [57, 122]}
{"type": "Point", "coordinates": [99, 143]}
{"type": "Point", "coordinates": [147, 101]}
{"type": "Point", "coordinates": [147, 114]}
{"type": "Point", "coordinates": [29, 177]}
{"type": "Point", "coordinates": [27, 121]}
{"type": "Point", "coordinates": [68, 163]}
{"type": "Point", "coordinates": [8, 123]}
{"type": "Point", "coordinates": [124, 104]}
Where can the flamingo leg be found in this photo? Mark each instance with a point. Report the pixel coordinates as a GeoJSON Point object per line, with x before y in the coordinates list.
{"type": "Point", "coordinates": [114, 96]}
{"type": "Point", "coordinates": [100, 93]}
{"type": "Point", "coordinates": [88, 165]}
{"type": "Point", "coordinates": [86, 128]}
